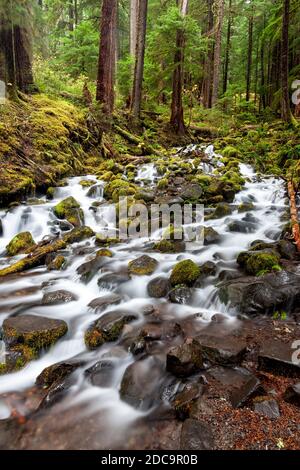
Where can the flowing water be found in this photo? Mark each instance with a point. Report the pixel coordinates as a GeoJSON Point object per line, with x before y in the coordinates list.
{"type": "Point", "coordinates": [26, 291]}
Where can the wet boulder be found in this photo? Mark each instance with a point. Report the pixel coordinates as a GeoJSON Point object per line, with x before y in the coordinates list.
{"type": "Point", "coordinates": [143, 266]}
{"type": "Point", "coordinates": [259, 262]}
{"type": "Point", "coordinates": [170, 246]}
{"type": "Point", "coordinates": [89, 269]}
{"type": "Point", "coordinates": [33, 331]}
{"type": "Point", "coordinates": [287, 249]}
{"type": "Point", "coordinates": [159, 287]}
{"type": "Point", "coordinates": [196, 435]}
{"type": "Point", "coordinates": [185, 272]}
{"type": "Point", "coordinates": [70, 210]}
{"type": "Point", "coordinates": [276, 356]}
{"type": "Point", "coordinates": [185, 398]}
{"type": "Point", "coordinates": [21, 243]}
{"type": "Point", "coordinates": [107, 328]}
{"type": "Point", "coordinates": [211, 237]}
{"type": "Point", "coordinates": [242, 226]}
{"type": "Point", "coordinates": [58, 297]}
{"type": "Point", "coordinates": [56, 372]}
{"type": "Point", "coordinates": [185, 360]}
{"type": "Point", "coordinates": [223, 350]}
{"type": "Point", "coordinates": [153, 332]}
{"type": "Point", "coordinates": [56, 262]}
{"type": "Point", "coordinates": [222, 210]}
{"type": "Point", "coordinates": [192, 193]}
{"type": "Point", "coordinates": [140, 384]}
{"type": "Point", "coordinates": [265, 294]}
{"type": "Point", "coordinates": [181, 295]}
{"type": "Point", "coordinates": [101, 303]}
{"type": "Point", "coordinates": [78, 234]}
{"type": "Point", "coordinates": [112, 281]}
{"type": "Point", "coordinates": [246, 207]}
{"type": "Point", "coordinates": [101, 374]}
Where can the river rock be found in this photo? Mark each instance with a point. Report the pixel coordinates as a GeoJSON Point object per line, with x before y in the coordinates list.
{"type": "Point", "coordinates": [221, 210]}
{"type": "Point", "coordinates": [196, 435]}
{"type": "Point", "coordinates": [181, 295]}
{"type": "Point", "coordinates": [192, 192]}
{"type": "Point", "coordinates": [256, 262]}
{"type": "Point", "coordinates": [107, 328]}
{"type": "Point", "coordinates": [143, 266]}
{"type": "Point", "coordinates": [102, 303]}
{"type": "Point", "coordinates": [55, 262]}
{"type": "Point", "coordinates": [224, 350]}
{"type": "Point", "coordinates": [21, 243]}
{"type": "Point", "coordinates": [292, 394]}
{"type": "Point", "coordinates": [267, 407]}
{"type": "Point", "coordinates": [140, 383]}
{"type": "Point", "coordinates": [276, 356]}
{"type": "Point", "coordinates": [34, 331]}
{"type": "Point", "coordinates": [241, 226]}
{"type": "Point", "coordinates": [70, 210]}
{"type": "Point", "coordinates": [58, 297]}
{"type": "Point", "coordinates": [211, 236]}
{"type": "Point", "coordinates": [265, 294]}
{"type": "Point", "coordinates": [185, 272]}
{"type": "Point", "coordinates": [185, 398]}
{"type": "Point", "coordinates": [287, 249]}
{"type": "Point", "coordinates": [89, 269]}
{"type": "Point", "coordinates": [238, 384]}
{"type": "Point", "coordinates": [101, 374]}
{"type": "Point", "coordinates": [56, 372]}
{"type": "Point", "coordinates": [158, 287]}
{"type": "Point", "coordinates": [111, 281]}
{"type": "Point", "coordinates": [153, 332]}
{"type": "Point", "coordinates": [185, 360]}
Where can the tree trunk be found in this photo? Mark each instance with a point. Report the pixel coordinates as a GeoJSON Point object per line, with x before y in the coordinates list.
{"type": "Point", "coordinates": [209, 62]}
{"type": "Point", "coordinates": [227, 52]}
{"type": "Point", "coordinates": [286, 113]}
{"type": "Point", "coordinates": [177, 117]}
{"type": "Point", "coordinates": [262, 78]}
{"type": "Point", "coordinates": [218, 43]}
{"type": "Point", "coordinates": [249, 61]}
{"type": "Point", "coordinates": [15, 55]}
{"type": "Point", "coordinates": [71, 15]}
{"type": "Point", "coordinates": [136, 100]}
{"type": "Point", "coordinates": [134, 9]}
{"type": "Point", "coordinates": [107, 57]}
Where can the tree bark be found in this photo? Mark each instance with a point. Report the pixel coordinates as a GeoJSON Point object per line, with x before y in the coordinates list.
{"type": "Point", "coordinates": [134, 9]}
{"type": "Point", "coordinates": [227, 52]}
{"type": "Point", "coordinates": [209, 62]}
{"type": "Point", "coordinates": [286, 113]}
{"type": "Point", "coordinates": [71, 15]}
{"type": "Point", "coordinates": [218, 43]}
{"type": "Point", "coordinates": [177, 117]}
{"type": "Point", "coordinates": [107, 57]}
{"type": "Point", "coordinates": [137, 90]}
{"type": "Point", "coordinates": [249, 61]}
{"type": "Point", "coordinates": [294, 215]}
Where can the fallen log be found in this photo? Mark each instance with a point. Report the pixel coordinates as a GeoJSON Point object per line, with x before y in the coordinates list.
{"type": "Point", "coordinates": [132, 139]}
{"type": "Point", "coordinates": [294, 215]}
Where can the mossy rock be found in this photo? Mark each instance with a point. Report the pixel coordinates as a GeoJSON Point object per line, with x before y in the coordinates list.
{"type": "Point", "coordinates": [57, 264]}
{"type": "Point", "coordinates": [186, 272]}
{"type": "Point", "coordinates": [143, 266]}
{"type": "Point", "coordinates": [87, 183]}
{"type": "Point", "coordinates": [50, 193]}
{"type": "Point", "coordinates": [246, 207]}
{"type": "Point", "coordinates": [222, 210]}
{"type": "Point", "coordinates": [107, 328]}
{"type": "Point", "coordinates": [34, 331]}
{"type": "Point", "coordinates": [119, 188]}
{"type": "Point", "coordinates": [78, 234]}
{"type": "Point", "coordinates": [104, 252]}
{"type": "Point", "coordinates": [70, 210]}
{"type": "Point", "coordinates": [259, 262]}
{"type": "Point", "coordinates": [101, 240]}
{"type": "Point", "coordinates": [170, 246]}
{"type": "Point", "coordinates": [21, 243]}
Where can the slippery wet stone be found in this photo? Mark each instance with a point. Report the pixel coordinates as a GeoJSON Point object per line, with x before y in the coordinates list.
{"type": "Point", "coordinates": [143, 266]}
{"type": "Point", "coordinates": [70, 210]}
{"type": "Point", "coordinates": [140, 383]}
{"type": "Point", "coordinates": [185, 398]}
{"type": "Point", "coordinates": [34, 331]}
{"type": "Point", "coordinates": [102, 303]}
{"type": "Point", "coordinates": [185, 272]}
{"type": "Point", "coordinates": [58, 297]}
{"type": "Point", "coordinates": [112, 281]}
{"type": "Point", "coordinates": [107, 328]}
{"type": "Point", "coordinates": [277, 356]}
{"type": "Point", "coordinates": [224, 350]}
{"type": "Point", "coordinates": [21, 243]}
{"type": "Point", "coordinates": [196, 435]}
{"type": "Point", "coordinates": [101, 374]}
{"type": "Point", "coordinates": [185, 360]}
{"type": "Point", "coordinates": [153, 332]}
{"type": "Point", "coordinates": [211, 236]}
{"type": "Point", "coordinates": [89, 269]}
{"type": "Point", "coordinates": [56, 372]}
{"type": "Point", "coordinates": [158, 287]}
{"type": "Point", "coordinates": [181, 295]}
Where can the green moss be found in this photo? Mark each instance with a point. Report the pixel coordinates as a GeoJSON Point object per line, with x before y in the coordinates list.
{"type": "Point", "coordinates": [118, 188]}
{"type": "Point", "coordinates": [93, 339]}
{"type": "Point", "coordinates": [168, 246]}
{"type": "Point", "coordinates": [185, 272]}
{"type": "Point", "coordinates": [104, 252]}
{"type": "Point", "coordinates": [143, 266]}
{"type": "Point", "coordinates": [221, 210]}
{"type": "Point", "coordinates": [259, 263]}
{"type": "Point", "coordinates": [3, 369]}
{"type": "Point", "coordinates": [87, 183]}
{"type": "Point", "coordinates": [70, 210]}
{"type": "Point", "coordinates": [231, 152]}
{"type": "Point", "coordinates": [163, 183]}
{"type": "Point", "coordinates": [21, 243]}
{"type": "Point", "coordinates": [102, 240]}
{"type": "Point", "coordinates": [57, 263]}
{"type": "Point", "coordinates": [246, 207]}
